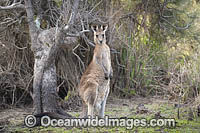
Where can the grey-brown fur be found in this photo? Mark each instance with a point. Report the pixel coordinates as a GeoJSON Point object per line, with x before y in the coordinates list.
{"type": "Point", "coordinates": [94, 86]}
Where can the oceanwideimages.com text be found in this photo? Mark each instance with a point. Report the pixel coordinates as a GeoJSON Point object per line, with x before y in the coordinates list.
{"type": "Point", "coordinates": [129, 123]}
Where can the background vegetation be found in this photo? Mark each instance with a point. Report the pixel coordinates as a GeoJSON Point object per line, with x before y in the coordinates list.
{"type": "Point", "coordinates": [155, 44]}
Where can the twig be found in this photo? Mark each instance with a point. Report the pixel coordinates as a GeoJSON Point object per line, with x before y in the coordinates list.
{"type": "Point", "coordinates": [78, 34]}
{"type": "Point", "coordinates": [26, 90]}
{"type": "Point", "coordinates": [2, 128]}
{"type": "Point", "coordinates": [178, 28]}
{"type": "Point", "coordinates": [95, 7]}
{"type": "Point", "coordinates": [78, 56]}
{"type": "Point", "coordinates": [58, 87]}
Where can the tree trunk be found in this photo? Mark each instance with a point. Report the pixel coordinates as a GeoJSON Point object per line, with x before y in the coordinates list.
{"type": "Point", "coordinates": [49, 94]}
{"type": "Point", "coordinates": [33, 31]}
{"type": "Point", "coordinates": [37, 102]}
{"type": "Point", "coordinates": [45, 45]}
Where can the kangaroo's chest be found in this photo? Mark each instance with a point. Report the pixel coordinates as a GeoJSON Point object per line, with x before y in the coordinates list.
{"type": "Point", "coordinates": [103, 55]}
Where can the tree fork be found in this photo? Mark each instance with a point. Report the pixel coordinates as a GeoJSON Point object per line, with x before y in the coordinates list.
{"type": "Point", "coordinates": [45, 97]}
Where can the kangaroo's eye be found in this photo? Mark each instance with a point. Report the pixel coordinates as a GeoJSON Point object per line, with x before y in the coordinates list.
{"type": "Point", "coordinates": [97, 36]}
{"type": "Point", "coordinates": [103, 35]}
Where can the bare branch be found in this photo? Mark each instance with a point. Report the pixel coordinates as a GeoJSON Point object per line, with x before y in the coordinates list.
{"type": "Point", "coordinates": [78, 56]}
{"type": "Point", "coordinates": [95, 6]}
{"type": "Point", "coordinates": [73, 13]}
{"type": "Point", "coordinates": [87, 40]}
{"type": "Point", "coordinates": [162, 9]}
{"type": "Point", "coordinates": [176, 27]}
{"type": "Point", "coordinates": [32, 26]}
{"type": "Point", "coordinates": [78, 34]}
{"type": "Point", "coordinates": [13, 6]}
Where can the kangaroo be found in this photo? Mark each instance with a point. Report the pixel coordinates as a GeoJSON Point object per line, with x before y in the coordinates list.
{"type": "Point", "coordinates": [94, 85]}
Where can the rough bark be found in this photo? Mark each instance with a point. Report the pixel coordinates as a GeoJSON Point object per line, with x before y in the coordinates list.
{"type": "Point", "coordinates": [37, 105]}
{"type": "Point", "coordinates": [51, 43]}
{"type": "Point", "coordinates": [45, 46]}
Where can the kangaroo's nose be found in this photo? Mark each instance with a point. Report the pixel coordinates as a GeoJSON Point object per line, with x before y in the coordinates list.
{"type": "Point", "coordinates": [100, 41]}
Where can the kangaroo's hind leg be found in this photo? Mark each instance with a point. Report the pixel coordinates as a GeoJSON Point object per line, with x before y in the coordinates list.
{"type": "Point", "coordinates": [91, 99]}
{"type": "Point", "coordinates": [84, 111]}
{"type": "Point", "coordinates": [103, 105]}
{"type": "Point", "coordinates": [90, 110]}
{"type": "Point", "coordinates": [91, 105]}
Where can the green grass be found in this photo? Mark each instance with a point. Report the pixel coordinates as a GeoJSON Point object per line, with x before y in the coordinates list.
{"type": "Point", "coordinates": [167, 111]}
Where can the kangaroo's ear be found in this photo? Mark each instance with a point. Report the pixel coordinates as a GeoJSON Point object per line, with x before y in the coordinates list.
{"type": "Point", "coordinates": [94, 28]}
{"type": "Point", "coordinates": [105, 27]}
